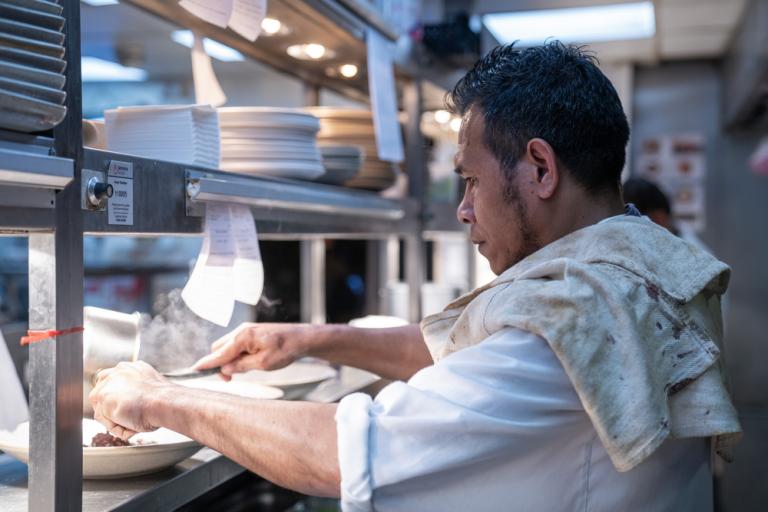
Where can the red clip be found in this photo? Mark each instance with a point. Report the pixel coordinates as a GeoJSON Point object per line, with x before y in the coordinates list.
{"type": "Point", "coordinates": [35, 336]}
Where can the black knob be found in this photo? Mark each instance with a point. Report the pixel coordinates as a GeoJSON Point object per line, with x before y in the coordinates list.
{"type": "Point", "coordinates": [102, 190]}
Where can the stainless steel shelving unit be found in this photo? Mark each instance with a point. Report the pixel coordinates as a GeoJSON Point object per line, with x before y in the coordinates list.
{"type": "Point", "coordinates": [42, 196]}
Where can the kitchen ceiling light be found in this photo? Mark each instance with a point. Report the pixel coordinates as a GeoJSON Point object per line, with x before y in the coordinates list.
{"type": "Point", "coordinates": [94, 69]}
{"type": "Point", "coordinates": [309, 51]}
{"type": "Point", "coordinates": [213, 48]}
{"type": "Point", "coordinates": [271, 26]}
{"type": "Point", "coordinates": [574, 25]}
{"type": "Point", "coordinates": [348, 70]}
{"type": "Point", "coordinates": [442, 116]}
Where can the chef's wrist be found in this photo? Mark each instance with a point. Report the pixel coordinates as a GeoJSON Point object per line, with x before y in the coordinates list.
{"type": "Point", "coordinates": [323, 340]}
{"type": "Point", "coordinates": [160, 404]}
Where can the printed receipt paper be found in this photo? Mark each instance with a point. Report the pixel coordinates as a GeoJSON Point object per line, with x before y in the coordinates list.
{"type": "Point", "coordinates": [242, 16]}
{"type": "Point", "coordinates": [229, 266]}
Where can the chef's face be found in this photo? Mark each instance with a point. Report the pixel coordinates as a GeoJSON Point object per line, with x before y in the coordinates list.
{"type": "Point", "coordinates": [494, 205]}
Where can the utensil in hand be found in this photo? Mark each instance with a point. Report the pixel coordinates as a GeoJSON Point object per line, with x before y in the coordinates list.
{"type": "Point", "coordinates": [189, 373]}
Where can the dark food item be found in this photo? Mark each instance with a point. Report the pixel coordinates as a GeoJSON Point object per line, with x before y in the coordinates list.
{"type": "Point", "coordinates": [106, 439]}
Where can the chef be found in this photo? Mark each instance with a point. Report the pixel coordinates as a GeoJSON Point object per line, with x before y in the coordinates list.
{"type": "Point", "coordinates": [584, 377]}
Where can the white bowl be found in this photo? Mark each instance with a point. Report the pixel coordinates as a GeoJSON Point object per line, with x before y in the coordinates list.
{"type": "Point", "coordinates": [163, 448]}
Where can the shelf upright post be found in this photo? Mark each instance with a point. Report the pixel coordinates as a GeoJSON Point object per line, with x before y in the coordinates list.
{"type": "Point", "coordinates": [312, 277]}
{"type": "Point", "coordinates": [312, 253]}
{"type": "Point", "coordinates": [56, 302]}
{"type": "Point", "coordinates": [415, 164]}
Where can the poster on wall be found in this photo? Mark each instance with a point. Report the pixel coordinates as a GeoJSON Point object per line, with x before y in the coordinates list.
{"type": "Point", "coordinates": [676, 163]}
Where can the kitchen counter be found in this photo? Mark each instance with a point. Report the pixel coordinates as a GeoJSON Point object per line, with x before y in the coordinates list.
{"type": "Point", "coordinates": [170, 488]}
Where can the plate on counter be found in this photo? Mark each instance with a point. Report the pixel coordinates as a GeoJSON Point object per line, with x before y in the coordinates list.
{"type": "Point", "coordinates": [31, 31]}
{"type": "Point", "coordinates": [245, 389]}
{"type": "Point", "coordinates": [10, 11]}
{"type": "Point", "coordinates": [32, 59]}
{"type": "Point", "coordinates": [31, 75]}
{"type": "Point", "coordinates": [38, 5]}
{"type": "Point", "coordinates": [23, 113]}
{"type": "Point", "coordinates": [295, 380]}
{"type": "Point", "coordinates": [31, 45]}
{"type": "Point", "coordinates": [148, 452]}
{"type": "Point", "coordinates": [39, 92]}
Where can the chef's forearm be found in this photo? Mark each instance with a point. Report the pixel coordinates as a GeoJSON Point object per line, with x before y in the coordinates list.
{"type": "Point", "coordinates": [292, 444]}
{"type": "Point", "coordinates": [394, 353]}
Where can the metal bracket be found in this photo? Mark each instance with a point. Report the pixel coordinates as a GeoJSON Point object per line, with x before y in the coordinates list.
{"type": "Point", "coordinates": [191, 185]}
{"type": "Point", "coordinates": [86, 176]}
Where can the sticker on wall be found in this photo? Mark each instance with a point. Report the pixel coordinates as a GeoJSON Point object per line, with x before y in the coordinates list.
{"type": "Point", "coordinates": [676, 163]}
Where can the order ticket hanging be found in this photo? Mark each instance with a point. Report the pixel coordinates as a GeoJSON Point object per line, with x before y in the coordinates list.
{"type": "Point", "coordinates": [229, 265]}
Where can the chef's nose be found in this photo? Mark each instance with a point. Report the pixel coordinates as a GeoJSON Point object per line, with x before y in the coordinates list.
{"type": "Point", "coordinates": [466, 211]}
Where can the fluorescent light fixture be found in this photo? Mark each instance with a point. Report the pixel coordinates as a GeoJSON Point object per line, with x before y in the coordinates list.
{"type": "Point", "coordinates": [99, 3]}
{"type": "Point", "coordinates": [94, 69]}
{"type": "Point", "coordinates": [213, 48]}
{"type": "Point", "coordinates": [348, 70]}
{"type": "Point", "coordinates": [309, 51]}
{"type": "Point", "coordinates": [574, 25]}
{"type": "Point", "coordinates": [271, 26]}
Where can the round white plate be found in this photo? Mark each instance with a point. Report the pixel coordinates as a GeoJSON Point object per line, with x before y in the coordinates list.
{"type": "Point", "coordinates": [296, 380]}
{"type": "Point", "coordinates": [307, 154]}
{"type": "Point", "coordinates": [264, 132]}
{"type": "Point", "coordinates": [159, 449]}
{"type": "Point", "coordinates": [233, 387]}
{"type": "Point", "coordinates": [259, 117]}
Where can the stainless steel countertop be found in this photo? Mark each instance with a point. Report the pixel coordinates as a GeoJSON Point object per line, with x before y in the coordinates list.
{"type": "Point", "coordinates": [170, 488]}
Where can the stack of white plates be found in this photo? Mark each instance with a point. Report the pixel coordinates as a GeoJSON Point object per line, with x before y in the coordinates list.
{"type": "Point", "coordinates": [270, 142]}
{"type": "Point", "coordinates": [341, 163]}
{"type": "Point", "coordinates": [31, 65]}
{"type": "Point", "coordinates": [176, 133]}
{"type": "Point", "coordinates": [348, 126]}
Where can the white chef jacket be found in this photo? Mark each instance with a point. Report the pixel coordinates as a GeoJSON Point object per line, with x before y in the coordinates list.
{"type": "Point", "coordinates": [498, 426]}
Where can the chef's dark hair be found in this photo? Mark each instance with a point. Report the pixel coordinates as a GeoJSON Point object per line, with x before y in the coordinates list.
{"type": "Point", "coordinates": [554, 92]}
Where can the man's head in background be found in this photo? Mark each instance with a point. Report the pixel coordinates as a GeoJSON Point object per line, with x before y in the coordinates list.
{"type": "Point", "coordinates": [650, 200]}
{"type": "Point", "coordinates": [541, 148]}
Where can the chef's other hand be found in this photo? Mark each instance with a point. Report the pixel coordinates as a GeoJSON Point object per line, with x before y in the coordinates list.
{"type": "Point", "coordinates": [120, 397]}
{"type": "Point", "coordinates": [257, 346]}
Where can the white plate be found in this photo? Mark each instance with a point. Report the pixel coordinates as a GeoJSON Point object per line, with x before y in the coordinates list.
{"type": "Point", "coordinates": [263, 132]}
{"type": "Point", "coordinates": [267, 117]}
{"type": "Point", "coordinates": [19, 112]}
{"type": "Point", "coordinates": [305, 154]}
{"type": "Point", "coordinates": [164, 448]}
{"type": "Point", "coordinates": [32, 59]}
{"type": "Point", "coordinates": [233, 387]}
{"type": "Point", "coordinates": [296, 380]}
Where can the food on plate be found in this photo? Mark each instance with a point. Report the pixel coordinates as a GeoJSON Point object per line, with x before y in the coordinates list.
{"type": "Point", "coordinates": [103, 439]}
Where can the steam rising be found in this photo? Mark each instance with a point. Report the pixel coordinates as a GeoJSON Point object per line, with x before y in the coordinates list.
{"type": "Point", "coordinates": [175, 338]}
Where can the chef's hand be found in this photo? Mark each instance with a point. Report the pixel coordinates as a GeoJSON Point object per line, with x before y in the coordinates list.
{"type": "Point", "coordinates": [120, 397]}
{"type": "Point", "coordinates": [258, 346]}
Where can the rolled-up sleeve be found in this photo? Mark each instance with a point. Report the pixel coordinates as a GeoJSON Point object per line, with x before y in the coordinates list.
{"type": "Point", "coordinates": [477, 409]}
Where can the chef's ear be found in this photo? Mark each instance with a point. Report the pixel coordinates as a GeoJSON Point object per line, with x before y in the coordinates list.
{"type": "Point", "coordinates": [540, 154]}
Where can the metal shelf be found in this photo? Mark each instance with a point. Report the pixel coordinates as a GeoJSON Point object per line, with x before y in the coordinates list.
{"type": "Point", "coordinates": [169, 198]}
{"type": "Point", "coordinates": [338, 28]}
{"type": "Point", "coordinates": [29, 178]}
{"type": "Point", "coordinates": [39, 191]}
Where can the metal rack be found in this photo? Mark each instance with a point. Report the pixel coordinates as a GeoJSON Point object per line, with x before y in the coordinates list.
{"type": "Point", "coordinates": [42, 195]}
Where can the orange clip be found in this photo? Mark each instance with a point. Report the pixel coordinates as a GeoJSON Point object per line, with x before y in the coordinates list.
{"type": "Point", "coordinates": [35, 336]}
